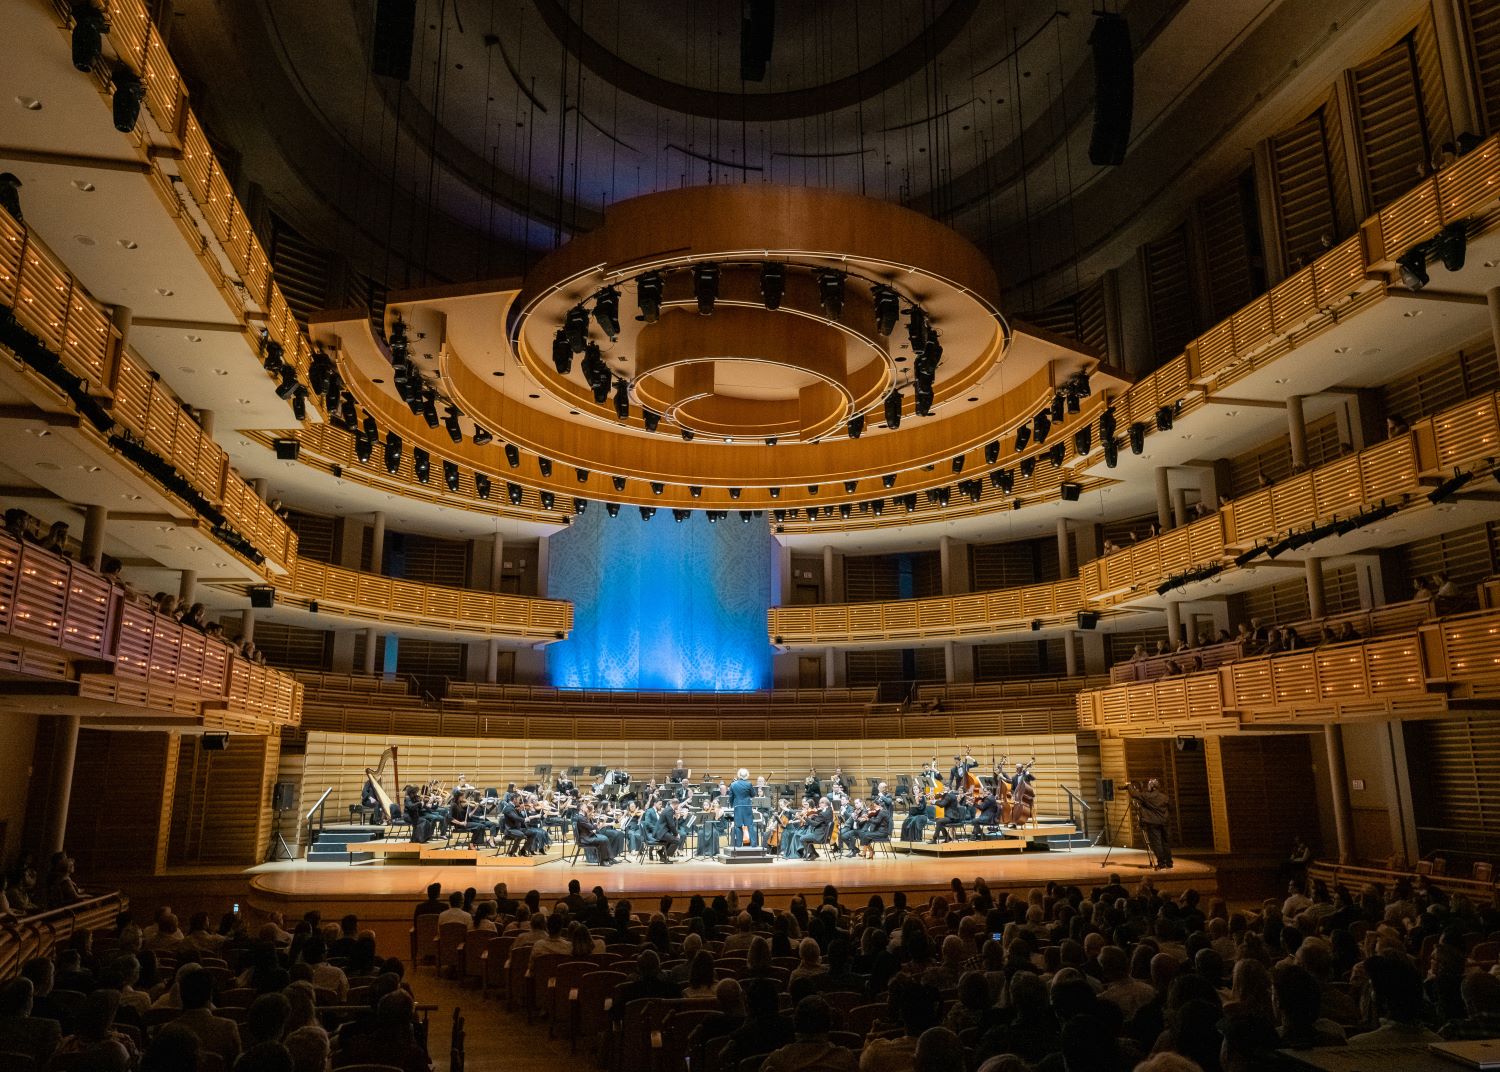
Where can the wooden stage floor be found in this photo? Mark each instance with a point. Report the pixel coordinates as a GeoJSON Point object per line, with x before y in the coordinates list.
{"type": "Point", "coordinates": [286, 885]}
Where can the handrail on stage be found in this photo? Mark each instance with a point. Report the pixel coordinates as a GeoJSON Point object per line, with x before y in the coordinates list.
{"type": "Point", "coordinates": [313, 831]}
{"type": "Point", "coordinates": [1087, 807]}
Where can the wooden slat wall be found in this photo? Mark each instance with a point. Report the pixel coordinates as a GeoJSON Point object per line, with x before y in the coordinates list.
{"type": "Point", "coordinates": [1120, 646]}
{"type": "Point", "coordinates": [865, 668]}
{"type": "Point", "coordinates": [291, 646]}
{"type": "Point", "coordinates": [1079, 316]}
{"type": "Point", "coordinates": [430, 660]}
{"type": "Point", "coordinates": [1285, 601]}
{"type": "Point", "coordinates": [1311, 187]}
{"type": "Point", "coordinates": [1467, 556]}
{"type": "Point", "coordinates": [1184, 778]}
{"type": "Point", "coordinates": [221, 803]}
{"type": "Point", "coordinates": [1010, 565]}
{"type": "Point", "coordinates": [1482, 21]}
{"type": "Point", "coordinates": [339, 760]}
{"type": "Point", "coordinates": [1170, 307]}
{"type": "Point", "coordinates": [1456, 805]}
{"type": "Point", "coordinates": [431, 560]}
{"type": "Point", "coordinates": [1274, 459]}
{"type": "Point", "coordinates": [1231, 246]}
{"type": "Point", "coordinates": [120, 811]}
{"type": "Point", "coordinates": [1263, 792]}
{"type": "Point", "coordinates": [315, 535]}
{"type": "Point", "coordinates": [997, 662]}
{"type": "Point", "coordinates": [1443, 382]}
{"type": "Point", "coordinates": [1389, 125]}
{"type": "Point", "coordinates": [302, 269]}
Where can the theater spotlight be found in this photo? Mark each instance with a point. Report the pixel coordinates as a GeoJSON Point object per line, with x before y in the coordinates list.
{"type": "Point", "coordinates": [812, 513]}
{"type": "Point", "coordinates": [687, 434]}
{"type": "Point", "coordinates": [512, 455]}
{"type": "Point", "coordinates": [958, 463]}
{"type": "Point", "coordinates": [618, 482]}
{"type": "Point", "coordinates": [706, 286]}
{"type": "Point", "coordinates": [392, 452]}
{"type": "Point", "coordinates": [1059, 408]}
{"type": "Point", "coordinates": [893, 409]}
{"type": "Point", "coordinates": [1138, 438]}
{"type": "Point", "coordinates": [992, 452]}
{"type": "Point", "coordinates": [680, 515]}
{"type": "Point", "coordinates": [1450, 245]}
{"type": "Point", "coordinates": [845, 510]}
{"type": "Point", "coordinates": [612, 509]}
{"type": "Point", "coordinates": [831, 293]}
{"type": "Point", "coordinates": [1107, 424]}
{"type": "Point", "coordinates": [1111, 453]}
{"type": "Point", "coordinates": [916, 329]}
{"type": "Point", "coordinates": [1075, 404]}
{"type": "Point", "coordinates": [1413, 267]}
{"type": "Point", "coordinates": [299, 403]}
{"type": "Point", "coordinates": [909, 502]}
{"type": "Point", "coordinates": [562, 353]}
{"type": "Point", "coordinates": [887, 308]}
{"type": "Point", "coordinates": [88, 35]}
{"type": "Point", "coordinates": [647, 512]}
{"type": "Point", "coordinates": [974, 489]}
{"type": "Point", "coordinates": [1028, 466]}
{"type": "Point", "coordinates": [549, 500]}
{"type": "Point", "coordinates": [772, 284]}
{"type": "Point", "coordinates": [450, 422]}
{"type": "Point", "coordinates": [856, 426]}
{"type": "Point", "coordinates": [372, 430]}
{"type": "Point", "coordinates": [130, 91]}
{"type": "Point", "coordinates": [1447, 488]}
{"type": "Point", "coordinates": [582, 475]}
{"type": "Point", "coordinates": [695, 490]}
{"type": "Point", "coordinates": [1083, 440]}
{"type": "Point", "coordinates": [580, 506]}
{"type": "Point", "coordinates": [622, 400]}
{"type": "Point", "coordinates": [1041, 427]}
{"type": "Point", "coordinates": [513, 492]}
{"type": "Point", "coordinates": [421, 463]}
{"type": "Point", "coordinates": [607, 312]}
{"type": "Point", "coordinates": [657, 487]}
{"type": "Point", "coordinates": [362, 447]}
{"type": "Point", "coordinates": [482, 436]}
{"type": "Point", "coordinates": [746, 515]}
{"type": "Point", "coordinates": [812, 489]}
{"type": "Point", "coordinates": [429, 407]}
{"type": "Point", "coordinates": [576, 327]}
{"type": "Point", "coordinates": [1023, 436]}
{"type": "Point", "coordinates": [545, 465]}
{"type": "Point", "coordinates": [734, 493]}
{"type": "Point", "coordinates": [1057, 453]}
{"type": "Point", "coordinates": [450, 475]}
{"type": "Point", "coordinates": [651, 419]}
{"type": "Point", "coordinates": [877, 507]}
{"type": "Point", "coordinates": [1164, 419]}
{"type": "Point", "coordinates": [922, 395]}
{"type": "Point", "coordinates": [944, 495]}
{"type": "Point", "coordinates": [889, 480]}
{"type": "Point", "coordinates": [851, 486]}
{"type": "Point", "coordinates": [775, 492]}
{"type": "Point", "coordinates": [596, 373]}
{"type": "Point", "coordinates": [482, 485]}
{"type": "Point", "coordinates": [648, 297]}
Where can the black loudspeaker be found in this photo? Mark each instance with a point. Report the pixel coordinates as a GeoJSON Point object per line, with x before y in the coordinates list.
{"type": "Point", "coordinates": [1188, 744]}
{"type": "Point", "coordinates": [286, 449]}
{"type": "Point", "coordinates": [1106, 789]}
{"type": "Point", "coordinates": [1088, 619]}
{"type": "Point", "coordinates": [1114, 89]}
{"type": "Point", "coordinates": [215, 742]}
{"type": "Point", "coordinates": [284, 796]}
{"type": "Point", "coordinates": [262, 596]}
{"type": "Point", "coordinates": [395, 28]}
{"type": "Point", "coordinates": [1070, 490]}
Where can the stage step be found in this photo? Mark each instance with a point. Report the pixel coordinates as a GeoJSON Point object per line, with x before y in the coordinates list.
{"type": "Point", "coordinates": [331, 845]}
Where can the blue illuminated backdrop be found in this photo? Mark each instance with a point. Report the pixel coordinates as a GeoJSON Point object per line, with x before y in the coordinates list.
{"type": "Point", "coordinates": [662, 604]}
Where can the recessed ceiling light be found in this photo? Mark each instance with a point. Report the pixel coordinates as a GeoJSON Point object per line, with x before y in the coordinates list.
{"type": "Point", "coordinates": [377, 380]}
{"type": "Point", "coordinates": [84, 186]}
{"type": "Point", "coordinates": [49, 466]}
{"type": "Point", "coordinates": [83, 240]}
{"type": "Point", "coordinates": [533, 396]}
{"type": "Point", "coordinates": [497, 374]}
{"type": "Point", "coordinates": [193, 338]}
{"type": "Point", "coordinates": [243, 401]}
{"type": "Point", "coordinates": [31, 104]}
{"type": "Point", "coordinates": [221, 372]}
{"type": "Point", "coordinates": [126, 243]}
{"type": "Point", "coordinates": [1412, 314]}
{"type": "Point", "coordinates": [165, 292]}
{"type": "Point", "coordinates": [1282, 380]}
{"type": "Point", "coordinates": [1341, 349]}
{"type": "Point", "coordinates": [187, 368]}
{"type": "Point", "coordinates": [1231, 413]}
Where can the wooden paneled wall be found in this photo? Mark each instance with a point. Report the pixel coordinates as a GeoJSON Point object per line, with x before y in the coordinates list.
{"type": "Point", "coordinates": [1184, 779]}
{"type": "Point", "coordinates": [121, 803]}
{"type": "Point", "coordinates": [221, 808]}
{"type": "Point", "coordinates": [339, 760]}
{"type": "Point", "coordinates": [1263, 792]}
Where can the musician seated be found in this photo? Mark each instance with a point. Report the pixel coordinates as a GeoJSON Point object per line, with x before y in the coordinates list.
{"type": "Point", "coordinates": [987, 816]}
{"type": "Point", "coordinates": [876, 827]}
{"type": "Point", "coordinates": [819, 830]}
{"type": "Point", "coordinates": [954, 814]}
{"type": "Point", "coordinates": [521, 838]}
{"type": "Point", "coordinates": [605, 842]}
{"type": "Point", "coordinates": [660, 826]}
{"type": "Point", "coordinates": [465, 818]}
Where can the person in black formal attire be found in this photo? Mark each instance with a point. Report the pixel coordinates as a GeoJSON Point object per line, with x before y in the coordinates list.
{"type": "Point", "coordinates": [876, 827]}
{"type": "Point", "coordinates": [606, 843]}
{"type": "Point", "coordinates": [848, 826]}
{"type": "Point", "coordinates": [513, 826]}
{"type": "Point", "coordinates": [954, 814]}
{"type": "Point", "coordinates": [464, 817]}
{"type": "Point", "coordinates": [811, 789]}
{"type": "Point", "coordinates": [819, 830]}
{"type": "Point", "coordinates": [914, 826]}
{"type": "Point", "coordinates": [665, 831]}
{"type": "Point", "coordinates": [741, 795]}
{"type": "Point", "coordinates": [415, 812]}
{"type": "Point", "coordinates": [986, 815]}
{"type": "Point", "coordinates": [1154, 811]}
{"type": "Point", "coordinates": [565, 786]}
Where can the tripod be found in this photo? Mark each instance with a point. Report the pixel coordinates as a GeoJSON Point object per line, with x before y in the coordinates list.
{"type": "Point", "coordinates": [1130, 813]}
{"type": "Point", "coordinates": [279, 849]}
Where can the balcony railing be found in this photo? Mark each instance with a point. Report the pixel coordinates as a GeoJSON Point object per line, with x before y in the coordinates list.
{"type": "Point", "coordinates": [940, 616]}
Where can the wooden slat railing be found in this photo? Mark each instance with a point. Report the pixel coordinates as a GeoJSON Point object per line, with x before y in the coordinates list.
{"type": "Point", "coordinates": [40, 935]}
{"type": "Point", "coordinates": [939, 616]}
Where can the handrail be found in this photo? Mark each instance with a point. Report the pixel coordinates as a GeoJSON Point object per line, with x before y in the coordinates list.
{"type": "Point", "coordinates": [1074, 798]}
{"type": "Point", "coordinates": [313, 831]}
{"type": "Point", "coordinates": [37, 935]}
{"type": "Point", "coordinates": [1086, 805]}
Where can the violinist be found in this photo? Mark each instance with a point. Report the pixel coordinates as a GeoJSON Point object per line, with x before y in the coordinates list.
{"type": "Point", "coordinates": [513, 827]}
{"type": "Point", "coordinates": [661, 827]}
{"type": "Point", "coordinates": [914, 827]}
{"type": "Point", "coordinates": [606, 842]}
{"type": "Point", "coordinates": [986, 815]}
{"type": "Point", "coordinates": [875, 827]}
{"type": "Point", "coordinates": [850, 816]}
{"type": "Point", "coordinates": [466, 818]}
{"type": "Point", "coordinates": [819, 830]}
{"type": "Point", "coordinates": [794, 830]}
{"type": "Point", "coordinates": [630, 826]}
{"type": "Point", "coordinates": [415, 810]}
{"type": "Point", "coordinates": [776, 824]}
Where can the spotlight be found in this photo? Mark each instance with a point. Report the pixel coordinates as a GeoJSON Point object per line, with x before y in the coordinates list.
{"type": "Point", "coordinates": [944, 495]}
{"type": "Point", "coordinates": [856, 426]}
{"type": "Point", "coordinates": [687, 434]}
{"type": "Point", "coordinates": [545, 465]}
{"type": "Point", "coordinates": [622, 400]}
{"type": "Point", "coordinates": [1446, 489]}
{"type": "Point", "coordinates": [958, 464]}
{"type": "Point", "coordinates": [513, 492]}
{"type": "Point", "coordinates": [734, 493]}
{"type": "Point", "coordinates": [1244, 558]}
{"type": "Point", "coordinates": [927, 362]}
{"type": "Point", "coordinates": [562, 353]}
{"type": "Point", "coordinates": [770, 441]}
{"type": "Point", "coordinates": [680, 515]}
{"type": "Point", "coordinates": [812, 489]}
{"type": "Point", "coordinates": [647, 512]}
{"type": "Point", "coordinates": [851, 486]}
{"type": "Point", "coordinates": [130, 91]}
{"type": "Point", "coordinates": [580, 506]}
{"type": "Point", "coordinates": [288, 385]}
{"type": "Point", "coordinates": [878, 507]}
{"type": "Point", "coordinates": [992, 452]}
{"type": "Point", "coordinates": [974, 489]}
{"type": "Point", "coordinates": [916, 329]}
{"type": "Point", "coordinates": [1075, 405]}
{"type": "Point", "coordinates": [88, 34]}
{"type": "Point", "coordinates": [1164, 419]}
{"type": "Point", "coordinates": [299, 403]}
{"type": "Point", "coordinates": [651, 419]}
{"type": "Point", "coordinates": [362, 448]}
{"type": "Point", "coordinates": [889, 480]}
{"type": "Point", "coordinates": [1070, 491]}
{"type": "Point", "coordinates": [450, 422]}
{"type": "Point", "coordinates": [772, 284]}
{"type": "Point", "coordinates": [695, 491]}
{"type": "Point", "coordinates": [779, 514]}
{"type": "Point", "coordinates": [549, 500]}
{"type": "Point", "coordinates": [845, 510]}
{"type": "Point", "coordinates": [576, 328]}
{"type": "Point", "coordinates": [909, 502]}
{"type": "Point", "coordinates": [831, 293]}
{"type": "Point", "coordinates": [812, 513]}
{"type": "Point", "coordinates": [607, 312]}
{"type": "Point", "coordinates": [481, 436]}
{"type": "Point", "coordinates": [1413, 266]}
{"type": "Point", "coordinates": [1083, 440]}
{"type": "Point", "coordinates": [714, 516]}
{"type": "Point", "coordinates": [482, 485]}
{"type": "Point", "coordinates": [582, 474]}
{"type": "Point", "coordinates": [706, 287]}
{"type": "Point", "coordinates": [347, 411]}
{"type": "Point", "coordinates": [618, 482]}
{"type": "Point", "coordinates": [1057, 453]}
{"type": "Point", "coordinates": [1082, 386]}
{"type": "Point", "coordinates": [887, 308]}
{"type": "Point", "coordinates": [421, 463]}
{"type": "Point", "coordinates": [745, 516]}
{"type": "Point", "coordinates": [372, 430]}
{"type": "Point", "coordinates": [1041, 426]}
{"type": "Point", "coordinates": [450, 475]}
{"type": "Point", "coordinates": [1023, 436]}
{"type": "Point", "coordinates": [648, 298]}
{"type": "Point", "coordinates": [392, 452]}
{"type": "Point", "coordinates": [1059, 408]}
{"type": "Point", "coordinates": [893, 409]}
{"type": "Point", "coordinates": [1028, 466]}
{"type": "Point", "coordinates": [1003, 479]}
{"type": "Point", "coordinates": [612, 509]}
{"type": "Point", "coordinates": [922, 395]}
{"type": "Point", "coordinates": [1138, 438]}
{"type": "Point", "coordinates": [1450, 245]}
{"type": "Point", "coordinates": [775, 492]}
{"type": "Point", "coordinates": [512, 455]}
{"type": "Point", "coordinates": [1107, 424]}
{"type": "Point", "coordinates": [400, 345]}
{"type": "Point", "coordinates": [1111, 453]}
{"type": "Point", "coordinates": [657, 487]}
{"type": "Point", "coordinates": [596, 373]}
{"type": "Point", "coordinates": [429, 408]}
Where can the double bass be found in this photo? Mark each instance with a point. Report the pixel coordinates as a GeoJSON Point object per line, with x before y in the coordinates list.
{"type": "Point", "coordinates": [935, 788]}
{"type": "Point", "coordinates": [1002, 788]}
{"type": "Point", "coordinates": [972, 787]}
{"type": "Point", "coordinates": [1023, 806]}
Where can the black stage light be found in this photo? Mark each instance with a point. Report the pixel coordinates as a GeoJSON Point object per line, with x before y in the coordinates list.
{"type": "Point", "coordinates": [856, 426]}
{"type": "Point", "coordinates": [715, 516]}
{"type": "Point", "coordinates": [1111, 453]}
{"type": "Point", "coordinates": [887, 308]}
{"type": "Point", "coordinates": [582, 474]}
{"type": "Point", "coordinates": [481, 436]}
{"type": "Point", "coordinates": [916, 329]}
{"type": "Point", "coordinates": [1083, 440]}
{"type": "Point", "coordinates": [288, 385]}
{"type": "Point", "coordinates": [812, 513]}
{"type": "Point", "coordinates": [909, 502]}
{"type": "Point", "coordinates": [549, 500]}
{"type": "Point", "coordinates": [845, 510]}
{"type": "Point", "coordinates": [612, 509]}
{"type": "Point", "coordinates": [299, 403]}
{"type": "Point", "coordinates": [974, 489]}
{"type": "Point", "coordinates": [1075, 405]}
{"type": "Point", "coordinates": [88, 35]}
{"type": "Point", "coordinates": [944, 495]}
{"type": "Point", "coordinates": [686, 433]}
{"type": "Point", "coordinates": [450, 422]}
{"type": "Point", "coordinates": [893, 409]}
{"type": "Point", "coordinates": [831, 293]}
{"type": "Point", "coordinates": [651, 419]}
{"type": "Point", "coordinates": [922, 395]}
{"type": "Point", "coordinates": [647, 512]}
{"type": "Point", "coordinates": [775, 492]}
{"type": "Point", "coordinates": [851, 486]}
{"type": "Point", "coordinates": [958, 463]}
{"type": "Point", "coordinates": [596, 373]}
{"type": "Point", "coordinates": [429, 407]}
{"type": "Point", "coordinates": [513, 492]}
{"type": "Point", "coordinates": [1057, 453]}
{"type": "Point", "coordinates": [734, 493]}
{"type": "Point", "coordinates": [545, 465]}
{"type": "Point", "coordinates": [421, 463]}
{"type": "Point", "coordinates": [1138, 438]}
{"type": "Point", "coordinates": [648, 297]}
{"type": "Point", "coordinates": [772, 284]}
{"type": "Point", "coordinates": [580, 506]}
{"type": "Point", "coordinates": [1107, 424]}
{"type": "Point", "coordinates": [779, 514]}
{"type": "Point", "coordinates": [399, 343]}
{"type": "Point", "coordinates": [1028, 466]}
{"type": "Point", "coordinates": [878, 507]}
{"type": "Point", "coordinates": [889, 480]}
{"type": "Point", "coordinates": [607, 312]}
{"type": "Point", "coordinates": [695, 490]}
{"type": "Point", "coordinates": [680, 515]}
{"type": "Point", "coordinates": [576, 327]}
{"type": "Point", "coordinates": [130, 91]}
{"type": "Point", "coordinates": [926, 365]}
{"type": "Point", "coordinates": [746, 515]}
{"type": "Point", "coordinates": [1446, 489]}
{"type": "Point", "coordinates": [348, 412]}
{"type": "Point", "coordinates": [992, 452]}
{"type": "Point", "coordinates": [392, 452]}
{"type": "Point", "coordinates": [1450, 245]}
{"type": "Point", "coordinates": [363, 447]}
{"type": "Point", "coordinates": [770, 441]}
{"type": "Point", "coordinates": [1413, 267]}
{"type": "Point", "coordinates": [1023, 436]}
{"type": "Point", "coordinates": [657, 487]}
{"type": "Point", "coordinates": [622, 400]}
{"type": "Point", "coordinates": [1041, 427]}
{"type": "Point", "coordinates": [1070, 491]}
{"type": "Point", "coordinates": [482, 485]}
{"type": "Point", "coordinates": [450, 475]}
{"type": "Point", "coordinates": [562, 353]}
{"type": "Point", "coordinates": [1059, 408]}
{"type": "Point", "coordinates": [372, 430]}
{"type": "Point", "coordinates": [512, 455]}
{"type": "Point", "coordinates": [1083, 385]}
{"type": "Point", "coordinates": [1164, 419]}
{"type": "Point", "coordinates": [812, 489]}
{"type": "Point", "coordinates": [706, 286]}
{"type": "Point", "coordinates": [618, 482]}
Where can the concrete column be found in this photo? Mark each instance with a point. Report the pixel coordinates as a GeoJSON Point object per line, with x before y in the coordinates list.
{"type": "Point", "coordinates": [1316, 603]}
{"type": "Point", "coordinates": [1492, 299]}
{"type": "Point", "coordinates": [1070, 654]}
{"type": "Point", "coordinates": [543, 553]}
{"type": "Point", "coordinates": [953, 565]}
{"type": "Point", "coordinates": [262, 488]}
{"type": "Point", "coordinates": [492, 662]}
{"type": "Point", "coordinates": [64, 749]}
{"type": "Point", "coordinates": [1296, 430]}
{"type": "Point", "coordinates": [370, 638]}
{"type": "Point", "coordinates": [1333, 741]}
{"type": "Point", "coordinates": [247, 624]}
{"type": "Point", "coordinates": [1093, 651]}
{"type": "Point", "coordinates": [187, 588]}
{"type": "Point", "coordinates": [834, 674]}
{"type": "Point", "coordinates": [781, 572]}
{"type": "Point", "coordinates": [958, 663]}
{"type": "Point", "coordinates": [1065, 566]}
{"type": "Point", "coordinates": [94, 521]}
{"type": "Point", "coordinates": [1179, 507]}
{"type": "Point", "coordinates": [1163, 498]}
{"type": "Point", "coordinates": [122, 317]}
{"type": "Point", "coordinates": [1174, 623]}
{"type": "Point", "coordinates": [377, 542]}
{"type": "Point", "coordinates": [206, 422]}
{"type": "Point", "coordinates": [342, 656]}
{"type": "Point", "coordinates": [497, 562]}
{"type": "Point", "coordinates": [833, 576]}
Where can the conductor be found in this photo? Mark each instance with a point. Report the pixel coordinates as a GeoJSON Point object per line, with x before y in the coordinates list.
{"type": "Point", "coordinates": [1154, 812]}
{"type": "Point", "coordinates": [741, 793]}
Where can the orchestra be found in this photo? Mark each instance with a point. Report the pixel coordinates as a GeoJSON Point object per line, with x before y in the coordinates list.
{"type": "Point", "coordinates": [614, 819]}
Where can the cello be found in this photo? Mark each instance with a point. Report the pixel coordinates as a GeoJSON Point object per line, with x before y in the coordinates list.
{"type": "Point", "coordinates": [935, 787]}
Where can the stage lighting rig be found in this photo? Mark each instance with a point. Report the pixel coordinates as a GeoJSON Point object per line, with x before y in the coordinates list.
{"type": "Point", "coordinates": [706, 286]}
{"type": "Point", "coordinates": [607, 312]}
{"type": "Point", "coordinates": [648, 297]}
{"type": "Point", "coordinates": [772, 284]}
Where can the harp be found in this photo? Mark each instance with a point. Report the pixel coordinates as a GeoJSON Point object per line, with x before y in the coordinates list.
{"type": "Point", "coordinates": [387, 790]}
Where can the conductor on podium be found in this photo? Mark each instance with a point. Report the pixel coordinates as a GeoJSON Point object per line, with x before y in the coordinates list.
{"type": "Point", "coordinates": [741, 793]}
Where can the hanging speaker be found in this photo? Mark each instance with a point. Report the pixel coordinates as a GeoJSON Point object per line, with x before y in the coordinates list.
{"type": "Point", "coordinates": [284, 796]}
{"type": "Point", "coordinates": [1106, 789]}
{"type": "Point", "coordinates": [1114, 89]}
{"type": "Point", "coordinates": [395, 26]}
